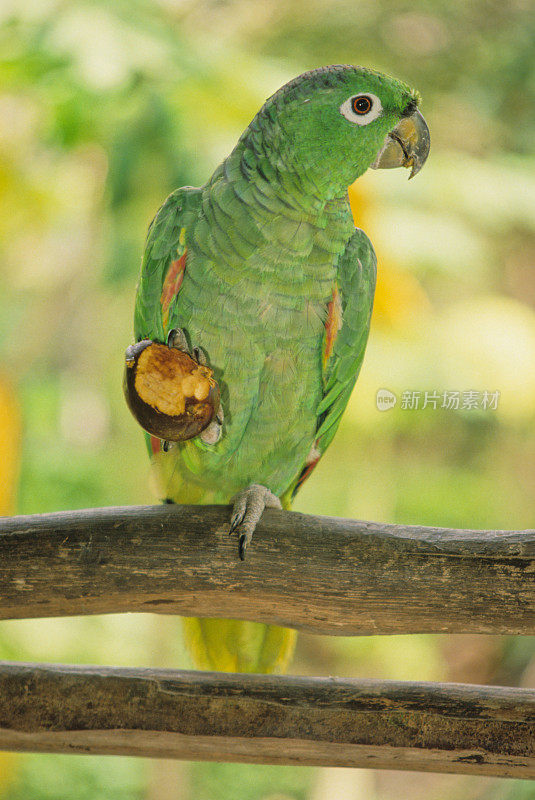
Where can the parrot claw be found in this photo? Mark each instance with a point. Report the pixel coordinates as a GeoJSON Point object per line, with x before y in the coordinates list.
{"type": "Point", "coordinates": [199, 356]}
{"type": "Point", "coordinates": [212, 434]}
{"type": "Point", "coordinates": [177, 338]}
{"type": "Point", "coordinates": [242, 546]}
{"type": "Point", "coordinates": [248, 507]}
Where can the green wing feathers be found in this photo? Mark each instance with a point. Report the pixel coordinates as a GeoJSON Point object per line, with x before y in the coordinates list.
{"type": "Point", "coordinates": [163, 265]}
{"type": "Point", "coordinates": [357, 274]}
{"type": "Point", "coordinates": [346, 335]}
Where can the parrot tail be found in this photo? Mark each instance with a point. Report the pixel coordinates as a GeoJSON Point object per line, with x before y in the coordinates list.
{"type": "Point", "coordinates": [228, 645]}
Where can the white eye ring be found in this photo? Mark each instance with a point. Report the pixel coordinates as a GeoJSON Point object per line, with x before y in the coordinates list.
{"type": "Point", "coordinates": [347, 109]}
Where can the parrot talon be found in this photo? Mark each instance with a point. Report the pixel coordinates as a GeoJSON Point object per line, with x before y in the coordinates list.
{"type": "Point", "coordinates": [248, 507]}
{"type": "Point", "coordinates": [212, 434]}
{"type": "Point", "coordinates": [177, 339]}
{"type": "Point", "coordinates": [242, 546]}
{"type": "Point", "coordinates": [236, 520]}
{"type": "Point", "coordinates": [199, 356]}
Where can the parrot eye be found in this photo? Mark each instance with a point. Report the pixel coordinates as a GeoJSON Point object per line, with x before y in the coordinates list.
{"type": "Point", "coordinates": [361, 108]}
{"type": "Point", "coordinates": [362, 104]}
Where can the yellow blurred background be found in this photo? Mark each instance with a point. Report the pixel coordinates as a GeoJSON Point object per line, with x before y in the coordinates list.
{"type": "Point", "coordinates": [107, 107]}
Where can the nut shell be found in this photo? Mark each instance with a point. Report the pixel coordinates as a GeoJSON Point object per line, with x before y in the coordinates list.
{"type": "Point", "coordinates": [169, 393]}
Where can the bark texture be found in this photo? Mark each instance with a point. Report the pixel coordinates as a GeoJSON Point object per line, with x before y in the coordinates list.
{"type": "Point", "coordinates": [320, 574]}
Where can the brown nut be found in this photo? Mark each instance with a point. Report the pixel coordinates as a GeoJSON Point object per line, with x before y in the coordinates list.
{"type": "Point", "coordinates": [170, 394]}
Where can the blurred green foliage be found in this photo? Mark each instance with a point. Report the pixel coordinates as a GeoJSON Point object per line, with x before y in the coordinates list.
{"type": "Point", "coordinates": [104, 109]}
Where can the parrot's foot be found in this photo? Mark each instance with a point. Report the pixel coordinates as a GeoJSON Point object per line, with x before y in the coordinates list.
{"type": "Point", "coordinates": [247, 508]}
{"type": "Point", "coordinates": [212, 434]}
{"type": "Point", "coordinates": [177, 339]}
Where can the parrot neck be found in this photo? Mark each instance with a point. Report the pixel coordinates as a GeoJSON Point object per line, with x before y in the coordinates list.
{"type": "Point", "coordinates": [267, 152]}
{"type": "Point", "coordinates": [275, 172]}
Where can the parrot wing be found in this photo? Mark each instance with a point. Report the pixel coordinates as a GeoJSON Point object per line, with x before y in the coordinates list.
{"type": "Point", "coordinates": [163, 265]}
{"type": "Point", "coordinates": [346, 334]}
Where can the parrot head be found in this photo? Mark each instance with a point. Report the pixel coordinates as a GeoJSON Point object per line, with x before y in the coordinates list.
{"type": "Point", "coordinates": [333, 123]}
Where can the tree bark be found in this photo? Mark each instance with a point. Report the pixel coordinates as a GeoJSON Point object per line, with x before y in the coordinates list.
{"type": "Point", "coordinates": [320, 574]}
{"type": "Point", "coordinates": [475, 730]}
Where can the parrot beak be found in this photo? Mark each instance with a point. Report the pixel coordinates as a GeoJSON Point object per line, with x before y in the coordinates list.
{"type": "Point", "coordinates": [405, 146]}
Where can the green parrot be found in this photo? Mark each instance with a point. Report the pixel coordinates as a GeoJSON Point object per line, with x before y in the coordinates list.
{"type": "Point", "coordinates": [261, 275]}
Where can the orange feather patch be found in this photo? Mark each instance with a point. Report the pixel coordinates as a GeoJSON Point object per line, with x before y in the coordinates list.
{"type": "Point", "coordinates": [305, 474]}
{"type": "Point", "coordinates": [171, 285]}
{"type": "Point", "coordinates": [312, 459]}
{"type": "Point", "coordinates": [333, 323]}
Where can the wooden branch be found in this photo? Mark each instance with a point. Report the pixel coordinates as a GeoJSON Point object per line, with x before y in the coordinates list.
{"type": "Point", "coordinates": [319, 574]}
{"type": "Point", "coordinates": [476, 730]}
